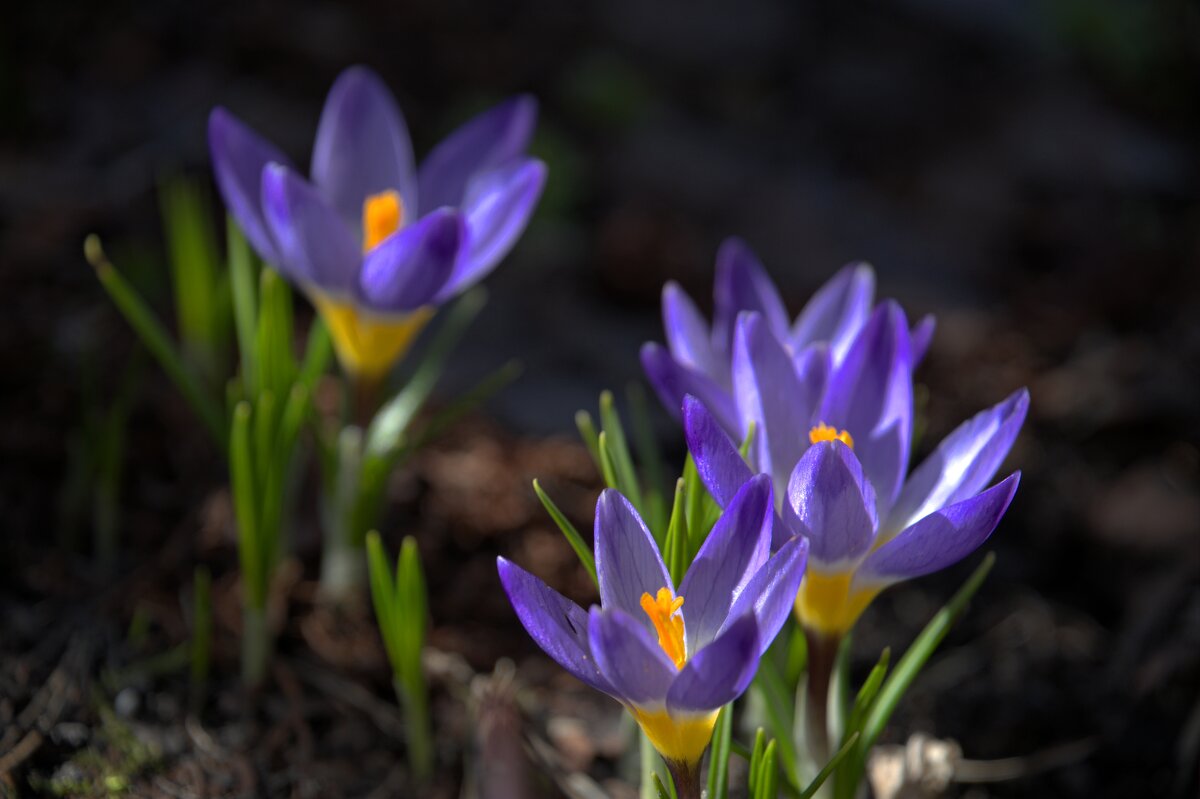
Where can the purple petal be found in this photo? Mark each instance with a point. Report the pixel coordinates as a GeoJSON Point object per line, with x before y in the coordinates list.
{"type": "Point", "coordinates": [921, 337]}
{"type": "Point", "coordinates": [940, 539]}
{"type": "Point", "coordinates": [689, 336]}
{"type": "Point", "coordinates": [720, 672]}
{"type": "Point", "coordinates": [673, 381]}
{"type": "Point", "coordinates": [497, 206]}
{"type": "Point", "coordinates": [362, 146]}
{"type": "Point", "coordinates": [833, 503]}
{"type": "Point", "coordinates": [963, 463]}
{"type": "Point", "coordinates": [629, 657]}
{"type": "Point", "coordinates": [734, 551]}
{"type": "Point", "coordinates": [814, 366]}
{"type": "Point", "coordinates": [556, 624]}
{"type": "Point", "coordinates": [486, 142]}
{"type": "Point", "coordinates": [407, 269]}
{"type": "Point", "coordinates": [239, 155]}
{"type": "Point", "coordinates": [771, 593]}
{"type": "Point", "coordinates": [721, 467]}
{"type": "Point", "coordinates": [837, 311]}
{"type": "Point", "coordinates": [628, 563]}
{"type": "Point", "coordinates": [743, 285]}
{"type": "Point", "coordinates": [313, 242]}
{"type": "Point", "coordinates": [870, 395]}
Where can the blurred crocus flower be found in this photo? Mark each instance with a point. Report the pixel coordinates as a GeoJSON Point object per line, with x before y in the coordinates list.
{"type": "Point", "coordinates": [375, 242]}
{"type": "Point", "coordinates": [835, 441]}
{"type": "Point", "coordinates": [672, 657]}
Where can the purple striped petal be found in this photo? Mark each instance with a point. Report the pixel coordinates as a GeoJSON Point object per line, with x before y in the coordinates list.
{"type": "Point", "coordinates": [629, 657]}
{"type": "Point", "coordinates": [407, 269]}
{"type": "Point", "coordinates": [743, 285]}
{"type": "Point", "coordinates": [486, 142]}
{"type": "Point", "coordinates": [962, 464]}
{"type": "Point", "coordinates": [672, 382]}
{"type": "Point", "coordinates": [314, 244]}
{"type": "Point", "coordinates": [362, 146]}
{"type": "Point", "coordinates": [921, 337]}
{"type": "Point", "coordinates": [734, 551]}
{"type": "Point", "coordinates": [814, 366]}
{"type": "Point", "coordinates": [689, 337]}
{"type": "Point", "coordinates": [720, 672]}
{"type": "Point", "coordinates": [833, 504]}
{"type": "Point", "coordinates": [556, 624]}
{"type": "Point", "coordinates": [627, 560]}
{"type": "Point", "coordinates": [721, 467]}
{"type": "Point", "coordinates": [837, 311]}
{"type": "Point", "coordinates": [940, 539]}
{"type": "Point", "coordinates": [498, 205]}
{"type": "Point", "coordinates": [771, 593]}
{"type": "Point", "coordinates": [870, 395]}
{"type": "Point", "coordinates": [239, 155]}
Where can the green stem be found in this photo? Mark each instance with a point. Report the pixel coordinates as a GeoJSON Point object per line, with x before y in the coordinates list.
{"type": "Point", "coordinates": [415, 701]}
{"type": "Point", "coordinates": [651, 765]}
{"type": "Point", "coordinates": [687, 779]}
{"type": "Point", "coordinates": [256, 645]}
{"type": "Point", "coordinates": [822, 655]}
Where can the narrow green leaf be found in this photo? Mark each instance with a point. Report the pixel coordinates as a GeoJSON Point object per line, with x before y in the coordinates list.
{"type": "Point", "coordinates": [608, 467]}
{"type": "Point", "coordinates": [201, 291]}
{"type": "Point", "coordinates": [383, 592]}
{"type": "Point", "coordinates": [760, 743]}
{"type": "Point", "coordinates": [591, 439]}
{"type": "Point", "coordinates": [653, 468]}
{"type": "Point", "coordinates": [413, 611]}
{"type": "Point", "coordinates": [768, 776]}
{"type": "Point", "coordinates": [660, 788]}
{"type": "Point", "coordinates": [778, 701]}
{"type": "Point", "coordinates": [245, 493]}
{"type": "Point", "coordinates": [824, 773]}
{"type": "Point", "coordinates": [242, 280]}
{"type": "Point", "coordinates": [618, 447]}
{"type": "Point", "coordinates": [676, 548]}
{"type": "Point", "coordinates": [318, 352]}
{"type": "Point", "coordinates": [866, 694]}
{"type": "Point", "coordinates": [582, 550]}
{"type": "Point", "coordinates": [718, 764]}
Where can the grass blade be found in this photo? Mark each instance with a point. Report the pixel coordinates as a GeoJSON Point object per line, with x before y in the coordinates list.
{"type": "Point", "coordinates": [582, 550]}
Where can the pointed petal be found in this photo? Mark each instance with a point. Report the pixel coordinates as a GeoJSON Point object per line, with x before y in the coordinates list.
{"type": "Point", "coordinates": [628, 563]}
{"type": "Point", "coordinates": [486, 142]}
{"type": "Point", "coordinates": [771, 592]}
{"type": "Point", "coordinates": [673, 381]}
{"type": "Point", "coordinates": [734, 551]}
{"type": "Point", "coordinates": [629, 657]}
{"type": "Point", "coordinates": [870, 395]}
{"type": "Point", "coordinates": [717, 460]}
{"type": "Point", "coordinates": [239, 155]}
{"type": "Point", "coordinates": [313, 243]}
{"type": "Point", "coordinates": [689, 337]}
{"type": "Point", "coordinates": [720, 672]}
{"type": "Point", "coordinates": [962, 464]}
{"type": "Point", "coordinates": [940, 539]}
{"type": "Point", "coordinates": [833, 504]}
{"type": "Point", "coordinates": [556, 624]}
{"type": "Point", "coordinates": [922, 337]}
{"type": "Point", "coordinates": [743, 285]}
{"type": "Point", "coordinates": [837, 311]}
{"type": "Point", "coordinates": [362, 146]}
{"type": "Point", "coordinates": [407, 269]}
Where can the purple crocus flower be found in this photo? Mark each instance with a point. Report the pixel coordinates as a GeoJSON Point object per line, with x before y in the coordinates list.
{"type": "Point", "coordinates": [672, 658]}
{"type": "Point", "coordinates": [835, 441]}
{"type": "Point", "coordinates": [375, 242]}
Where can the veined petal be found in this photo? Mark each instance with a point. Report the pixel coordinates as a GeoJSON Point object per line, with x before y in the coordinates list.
{"type": "Point", "coordinates": [486, 142]}
{"type": "Point", "coordinates": [689, 337]}
{"type": "Point", "coordinates": [362, 146]}
{"type": "Point", "coordinates": [921, 337]}
{"type": "Point", "coordinates": [628, 563]}
{"type": "Point", "coordinates": [629, 657]}
{"type": "Point", "coordinates": [673, 381]}
{"type": "Point", "coordinates": [718, 673]}
{"type": "Point", "coordinates": [743, 285]}
{"type": "Point", "coordinates": [734, 551]}
{"type": "Point", "coordinates": [837, 311]}
{"type": "Point", "coordinates": [239, 155]}
{"type": "Point", "coordinates": [771, 592]}
{"type": "Point", "coordinates": [834, 505]}
{"type": "Point", "coordinates": [870, 395]}
{"type": "Point", "coordinates": [313, 242]}
{"type": "Point", "coordinates": [962, 464]}
{"type": "Point", "coordinates": [940, 539]}
{"type": "Point", "coordinates": [718, 461]}
{"type": "Point", "coordinates": [497, 206]}
{"type": "Point", "coordinates": [409, 267]}
{"type": "Point", "coordinates": [556, 624]}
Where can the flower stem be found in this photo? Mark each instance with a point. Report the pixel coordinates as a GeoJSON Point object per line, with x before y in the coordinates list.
{"type": "Point", "coordinates": [822, 654]}
{"type": "Point", "coordinates": [256, 645]}
{"type": "Point", "coordinates": [415, 701]}
{"type": "Point", "coordinates": [686, 777]}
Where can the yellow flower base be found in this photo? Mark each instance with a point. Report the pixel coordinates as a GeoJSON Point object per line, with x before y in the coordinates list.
{"type": "Point", "coordinates": [367, 345]}
{"type": "Point", "coordinates": [825, 603]}
{"type": "Point", "coordinates": [679, 738]}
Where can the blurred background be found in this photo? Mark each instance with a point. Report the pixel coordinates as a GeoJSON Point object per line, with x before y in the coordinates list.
{"type": "Point", "coordinates": [1027, 171]}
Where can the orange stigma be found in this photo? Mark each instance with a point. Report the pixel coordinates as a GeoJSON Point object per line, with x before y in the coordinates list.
{"type": "Point", "coordinates": [662, 611]}
{"type": "Point", "coordinates": [382, 215]}
{"type": "Point", "coordinates": [823, 432]}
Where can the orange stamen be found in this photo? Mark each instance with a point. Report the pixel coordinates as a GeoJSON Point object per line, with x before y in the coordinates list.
{"type": "Point", "coordinates": [382, 215]}
{"type": "Point", "coordinates": [823, 432]}
{"type": "Point", "coordinates": [662, 611]}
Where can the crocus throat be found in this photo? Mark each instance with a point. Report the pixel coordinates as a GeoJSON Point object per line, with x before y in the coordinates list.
{"type": "Point", "coordinates": [382, 216]}
{"type": "Point", "coordinates": [663, 610]}
{"type": "Point", "coordinates": [829, 604]}
{"type": "Point", "coordinates": [823, 432]}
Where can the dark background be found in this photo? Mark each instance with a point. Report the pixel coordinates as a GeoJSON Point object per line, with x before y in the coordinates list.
{"type": "Point", "coordinates": [1025, 170]}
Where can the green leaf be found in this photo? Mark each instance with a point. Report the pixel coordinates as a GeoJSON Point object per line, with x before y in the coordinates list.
{"type": "Point", "coordinates": [649, 456]}
{"type": "Point", "coordinates": [582, 551]}
{"type": "Point", "coordinates": [608, 467]}
{"type": "Point", "coordinates": [676, 548]}
{"type": "Point", "coordinates": [242, 279]}
{"type": "Point", "coordinates": [824, 773]}
{"type": "Point", "coordinates": [756, 754]}
{"type": "Point", "coordinates": [663, 793]}
{"type": "Point", "coordinates": [779, 704]}
{"type": "Point", "coordinates": [245, 493]}
{"type": "Point", "coordinates": [618, 447]}
{"type": "Point", "coordinates": [591, 440]}
{"type": "Point", "coordinates": [866, 695]}
{"type": "Point", "coordinates": [318, 352]}
{"type": "Point", "coordinates": [382, 596]}
{"type": "Point", "coordinates": [718, 764]}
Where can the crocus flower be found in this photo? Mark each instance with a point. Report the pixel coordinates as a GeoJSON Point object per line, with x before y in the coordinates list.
{"type": "Point", "coordinates": [672, 657]}
{"type": "Point", "coordinates": [376, 243]}
{"type": "Point", "coordinates": [839, 459]}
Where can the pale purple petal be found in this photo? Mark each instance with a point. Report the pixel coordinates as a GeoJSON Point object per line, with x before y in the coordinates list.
{"type": "Point", "coordinates": [672, 382]}
{"type": "Point", "coordinates": [771, 593]}
{"type": "Point", "coordinates": [962, 464]}
{"type": "Point", "coordinates": [628, 563]}
{"type": "Point", "coordinates": [720, 672]}
{"type": "Point", "coordinates": [743, 285]}
{"type": "Point", "coordinates": [922, 337]}
{"type": "Point", "coordinates": [734, 551]}
{"type": "Point", "coordinates": [407, 269]}
{"type": "Point", "coordinates": [833, 503]}
{"type": "Point", "coordinates": [556, 624]}
{"type": "Point", "coordinates": [629, 657]}
{"type": "Point", "coordinates": [720, 465]}
{"type": "Point", "coordinates": [239, 155]}
{"type": "Point", "coordinates": [362, 146]}
{"type": "Point", "coordinates": [940, 539]}
{"type": "Point", "coordinates": [689, 336]}
{"type": "Point", "coordinates": [486, 142]}
{"type": "Point", "coordinates": [837, 311]}
{"type": "Point", "coordinates": [814, 366]}
{"type": "Point", "coordinates": [313, 243]}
